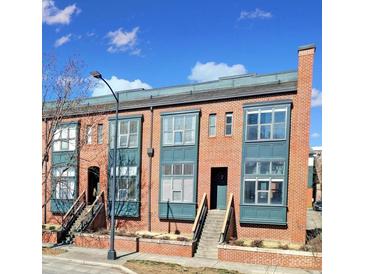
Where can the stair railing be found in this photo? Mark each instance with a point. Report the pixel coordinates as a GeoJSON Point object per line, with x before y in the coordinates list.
{"type": "Point", "coordinates": [200, 217]}
{"type": "Point", "coordinates": [227, 219]}
{"type": "Point", "coordinates": [74, 211]}
{"type": "Point", "coordinates": [91, 213]}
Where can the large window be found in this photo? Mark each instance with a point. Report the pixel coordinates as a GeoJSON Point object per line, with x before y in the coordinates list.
{"type": "Point", "coordinates": [64, 182]}
{"type": "Point", "coordinates": [228, 124]}
{"type": "Point", "coordinates": [266, 124]}
{"type": "Point", "coordinates": [65, 139]}
{"type": "Point", "coordinates": [263, 191]}
{"type": "Point", "coordinates": [212, 125]}
{"type": "Point", "coordinates": [177, 182]}
{"type": "Point", "coordinates": [127, 134]}
{"type": "Point", "coordinates": [126, 183]}
{"type": "Point", "coordinates": [178, 130]}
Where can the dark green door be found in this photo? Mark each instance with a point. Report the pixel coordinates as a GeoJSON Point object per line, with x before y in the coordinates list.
{"type": "Point", "coordinates": [219, 188]}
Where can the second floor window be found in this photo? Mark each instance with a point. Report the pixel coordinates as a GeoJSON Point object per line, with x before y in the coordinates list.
{"type": "Point", "coordinates": [228, 124]}
{"type": "Point", "coordinates": [212, 125]}
{"type": "Point", "coordinates": [65, 139]}
{"type": "Point", "coordinates": [89, 135]}
{"type": "Point", "coordinates": [100, 134]}
{"type": "Point", "coordinates": [127, 134]}
{"type": "Point", "coordinates": [178, 130]}
{"type": "Point", "coordinates": [266, 124]}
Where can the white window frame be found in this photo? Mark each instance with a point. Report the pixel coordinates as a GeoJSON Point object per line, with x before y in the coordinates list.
{"type": "Point", "coordinates": [228, 114]}
{"type": "Point", "coordinates": [183, 177]}
{"type": "Point", "coordinates": [126, 176]}
{"type": "Point", "coordinates": [210, 126]}
{"type": "Point", "coordinates": [258, 125]}
{"type": "Point", "coordinates": [183, 130]}
{"type": "Point", "coordinates": [119, 135]}
{"type": "Point", "coordinates": [64, 182]}
{"type": "Point", "coordinates": [256, 180]}
{"type": "Point", "coordinates": [89, 135]}
{"type": "Point", "coordinates": [99, 136]}
{"type": "Point", "coordinates": [57, 138]}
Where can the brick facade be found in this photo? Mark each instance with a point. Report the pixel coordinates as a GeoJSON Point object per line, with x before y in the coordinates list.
{"type": "Point", "coordinates": [219, 151]}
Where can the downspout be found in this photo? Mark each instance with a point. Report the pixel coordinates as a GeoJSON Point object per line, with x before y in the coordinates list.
{"type": "Point", "coordinates": [150, 155]}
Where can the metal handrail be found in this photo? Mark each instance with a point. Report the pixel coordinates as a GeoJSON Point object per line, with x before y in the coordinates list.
{"type": "Point", "coordinates": [78, 205]}
{"type": "Point", "coordinates": [227, 219]}
{"type": "Point", "coordinates": [199, 219]}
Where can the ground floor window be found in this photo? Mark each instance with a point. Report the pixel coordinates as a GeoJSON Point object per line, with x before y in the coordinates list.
{"type": "Point", "coordinates": [126, 187]}
{"type": "Point", "coordinates": [177, 182]}
{"type": "Point", "coordinates": [263, 191]}
{"type": "Point", "coordinates": [64, 177]}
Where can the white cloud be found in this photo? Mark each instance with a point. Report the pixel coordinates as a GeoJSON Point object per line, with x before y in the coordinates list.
{"type": "Point", "coordinates": [212, 71]}
{"type": "Point", "coordinates": [315, 135]}
{"type": "Point", "coordinates": [118, 85]}
{"type": "Point", "coordinates": [63, 40]}
{"type": "Point", "coordinates": [123, 41]}
{"type": "Point", "coordinates": [53, 15]}
{"type": "Point", "coordinates": [256, 14]}
{"type": "Point", "coordinates": [316, 98]}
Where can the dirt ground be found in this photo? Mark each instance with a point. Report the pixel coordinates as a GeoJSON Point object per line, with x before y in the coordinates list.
{"type": "Point", "coordinates": [141, 266]}
{"type": "Point", "coordinates": [52, 251]}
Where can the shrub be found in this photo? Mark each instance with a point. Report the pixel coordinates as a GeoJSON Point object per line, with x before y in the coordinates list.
{"type": "Point", "coordinates": [284, 247]}
{"type": "Point", "coordinates": [146, 236]}
{"type": "Point", "coordinates": [43, 226]}
{"type": "Point", "coordinates": [177, 232]}
{"type": "Point", "coordinates": [239, 242]}
{"type": "Point", "coordinates": [257, 243]}
{"type": "Point", "coordinates": [52, 227]}
{"type": "Point", "coordinates": [182, 239]}
{"type": "Point", "coordinates": [305, 248]}
{"type": "Point", "coordinates": [165, 238]}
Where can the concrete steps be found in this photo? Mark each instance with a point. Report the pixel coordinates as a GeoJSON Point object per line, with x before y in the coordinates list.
{"type": "Point", "coordinates": [207, 246]}
{"type": "Point", "coordinates": [79, 219]}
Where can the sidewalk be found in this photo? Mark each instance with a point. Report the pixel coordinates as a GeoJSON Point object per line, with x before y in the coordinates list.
{"type": "Point", "coordinates": [99, 256]}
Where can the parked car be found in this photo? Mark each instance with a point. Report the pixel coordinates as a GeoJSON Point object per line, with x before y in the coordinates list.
{"type": "Point", "coordinates": [317, 206]}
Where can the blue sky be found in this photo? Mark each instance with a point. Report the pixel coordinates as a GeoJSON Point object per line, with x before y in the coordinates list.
{"type": "Point", "coordinates": [162, 43]}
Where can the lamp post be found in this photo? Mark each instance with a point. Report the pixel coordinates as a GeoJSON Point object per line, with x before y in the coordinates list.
{"type": "Point", "coordinates": [111, 253]}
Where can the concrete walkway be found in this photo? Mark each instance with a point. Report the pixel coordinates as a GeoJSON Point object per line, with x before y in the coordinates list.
{"type": "Point", "coordinates": [98, 256]}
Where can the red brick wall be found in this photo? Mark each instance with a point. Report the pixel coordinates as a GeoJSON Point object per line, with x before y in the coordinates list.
{"type": "Point", "coordinates": [51, 237]}
{"type": "Point", "coordinates": [219, 151]}
{"type": "Point", "coordinates": [274, 259]}
{"type": "Point", "coordinates": [101, 241]}
{"type": "Point", "coordinates": [164, 248]}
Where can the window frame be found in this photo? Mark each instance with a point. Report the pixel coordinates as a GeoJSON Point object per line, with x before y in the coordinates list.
{"type": "Point", "coordinates": [171, 177]}
{"type": "Point", "coordinates": [128, 177]}
{"type": "Point", "coordinates": [128, 134]}
{"type": "Point", "coordinates": [228, 114]}
{"type": "Point", "coordinates": [89, 135]}
{"type": "Point", "coordinates": [182, 131]}
{"type": "Point", "coordinates": [64, 182]}
{"type": "Point", "coordinates": [60, 139]}
{"type": "Point", "coordinates": [260, 110]}
{"type": "Point", "coordinates": [99, 135]}
{"type": "Point", "coordinates": [210, 126]}
{"type": "Point", "coordinates": [269, 191]}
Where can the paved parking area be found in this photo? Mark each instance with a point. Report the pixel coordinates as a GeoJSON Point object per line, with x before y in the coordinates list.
{"type": "Point", "coordinates": [314, 219]}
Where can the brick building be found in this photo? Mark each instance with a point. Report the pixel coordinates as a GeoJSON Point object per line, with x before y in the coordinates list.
{"type": "Point", "coordinates": [245, 135]}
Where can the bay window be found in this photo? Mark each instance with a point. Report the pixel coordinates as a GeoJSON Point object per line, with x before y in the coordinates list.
{"type": "Point", "coordinates": [177, 182]}
{"type": "Point", "coordinates": [178, 130]}
{"type": "Point", "coordinates": [64, 138]}
{"type": "Point", "coordinates": [64, 178]}
{"type": "Point", "coordinates": [263, 191]}
{"type": "Point", "coordinates": [266, 124]}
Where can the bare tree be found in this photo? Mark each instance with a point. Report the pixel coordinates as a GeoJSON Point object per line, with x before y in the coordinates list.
{"type": "Point", "coordinates": [63, 90]}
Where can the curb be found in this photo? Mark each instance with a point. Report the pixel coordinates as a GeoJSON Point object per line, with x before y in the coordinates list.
{"type": "Point", "coordinates": [120, 267]}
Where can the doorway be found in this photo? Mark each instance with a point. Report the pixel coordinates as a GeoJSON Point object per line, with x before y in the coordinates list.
{"type": "Point", "coordinates": [218, 192]}
{"type": "Point", "coordinates": [93, 174]}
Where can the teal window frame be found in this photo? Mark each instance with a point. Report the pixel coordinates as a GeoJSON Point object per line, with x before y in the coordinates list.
{"type": "Point", "coordinates": [182, 130]}
{"type": "Point", "coordinates": [59, 137]}
{"type": "Point", "coordinates": [120, 135]}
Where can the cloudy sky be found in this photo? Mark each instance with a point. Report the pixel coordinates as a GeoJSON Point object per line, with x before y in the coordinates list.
{"type": "Point", "coordinates": [161, 43]}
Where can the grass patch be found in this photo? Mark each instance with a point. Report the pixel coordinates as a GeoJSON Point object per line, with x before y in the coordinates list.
{"type": "Point", "coordinates": [52, 251]}
{"type": "Point", "coordinates": [152, 267]}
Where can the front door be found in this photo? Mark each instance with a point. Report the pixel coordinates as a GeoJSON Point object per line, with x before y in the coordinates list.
{"type": "Point", "coordinates": [218, 188]}
{"type": "Point", "coordinates": [93, 183]}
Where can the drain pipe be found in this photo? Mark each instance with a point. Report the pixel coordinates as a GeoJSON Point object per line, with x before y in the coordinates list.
{"type": "Point", "coordinates": [150, 155]}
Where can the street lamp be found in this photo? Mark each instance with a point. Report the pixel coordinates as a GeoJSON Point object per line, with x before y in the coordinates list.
{"type": "Point", "coordinates": [111, 253]}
